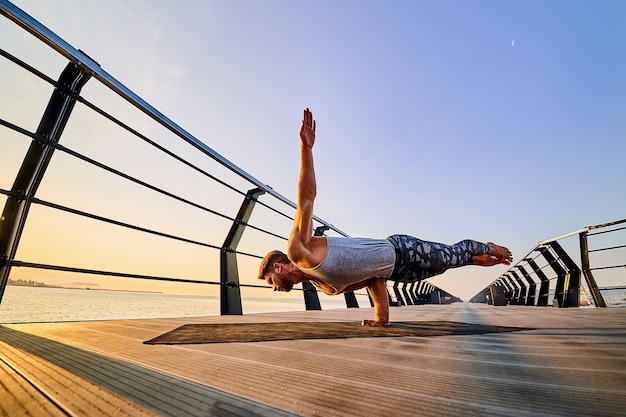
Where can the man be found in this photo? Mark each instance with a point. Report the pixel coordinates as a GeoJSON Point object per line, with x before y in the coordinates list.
{"type": "Point", "coordinates": [337, 264]}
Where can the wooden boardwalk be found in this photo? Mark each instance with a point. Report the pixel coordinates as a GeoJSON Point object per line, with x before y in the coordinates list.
{"type": "Point", "coordinates": [572, 363]}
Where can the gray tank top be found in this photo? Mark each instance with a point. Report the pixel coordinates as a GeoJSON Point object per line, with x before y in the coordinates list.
{"type": "Point", "coordinates": [352, 260]}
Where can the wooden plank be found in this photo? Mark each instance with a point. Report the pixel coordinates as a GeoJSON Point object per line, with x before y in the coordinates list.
{"type": "Point", "coordinates": [18, 397]}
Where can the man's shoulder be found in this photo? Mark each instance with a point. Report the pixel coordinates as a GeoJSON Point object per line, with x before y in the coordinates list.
{"type": "Point", "coordinates": [307, 256]}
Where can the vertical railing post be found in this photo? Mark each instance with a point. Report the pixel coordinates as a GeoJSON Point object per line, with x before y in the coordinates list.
{"type": "Point", "coordinates": [309, 292]}
{"type": "Point", "coordinates": [417, 294]}
{"type": "Point", "coordinates": [35, 163]}
{"type": "Point", "coordinates": [532, 285]}
{"type": "Point", "coordinates": [311, 299]}
{"type": "Point", "coordinates": [396, 291]}
{"type": "Point", "coordinates": [407, 297]}
{"type": "Point", "coordinates": [544, 288]}
{"type": "Point", "coordinates": [430, 289]}
{"type": "Point", "coordinates": [560, 272]}
{"type": "Point", "coordinates": [515, 295]}
{"type": "Point", "coordinates": [435, 296]}
{"type": "Point", "coordinates": [510, 289]}
{"type": "Point", "coordinates": [230, 294]}
{"type": "Point", "coordinates": [497, 294]}
{"type": "Point", "coordinates": [412, 293]}
{"type": "Point", "coordinates": [521, 300]}
{"type": "Point", "coordinates": [424, 292]}
{"type": "Point", "coordinates": [351, 301]}
{"type": "Point", "coordinates": [591, 282]}
{"type": "Point", "coordinates": [571, 286]}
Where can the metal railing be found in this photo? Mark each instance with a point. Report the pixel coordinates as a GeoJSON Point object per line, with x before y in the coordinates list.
{"type": "Point", "coordinates": [549, 274]}
{"type": "Point", "coordinates": [45, 143]}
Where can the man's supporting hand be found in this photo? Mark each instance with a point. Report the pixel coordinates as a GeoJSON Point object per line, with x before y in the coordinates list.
{"type": "Point", "coordinates": [374, 323]}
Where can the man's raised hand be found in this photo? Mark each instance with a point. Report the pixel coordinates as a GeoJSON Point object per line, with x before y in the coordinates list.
{"type": "Point", "coordinates": [307, 131]}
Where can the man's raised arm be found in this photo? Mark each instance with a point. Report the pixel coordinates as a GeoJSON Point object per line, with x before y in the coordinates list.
{"type": "Point", "coordinates": [299, 245]}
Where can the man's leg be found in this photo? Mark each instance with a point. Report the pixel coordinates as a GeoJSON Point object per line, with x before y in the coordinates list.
{"type": "Point", "coordinates": [421, 259]}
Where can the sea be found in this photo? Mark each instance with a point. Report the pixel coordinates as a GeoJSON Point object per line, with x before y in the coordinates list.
{"type": "Point", "coordinates": [22, 304]}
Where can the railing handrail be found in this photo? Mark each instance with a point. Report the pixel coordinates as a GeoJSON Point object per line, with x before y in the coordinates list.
{"type": "Point", "coordinates": [566, 235]}
{"type": "Point", "coordinates": [89, 65]}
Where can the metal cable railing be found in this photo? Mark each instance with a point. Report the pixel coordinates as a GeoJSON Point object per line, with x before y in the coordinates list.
{"type": "Point", "coordinates": [118, 122]}
{"type": "Point", "coordinates": [172, 154]}
{"type": "Point", "coordinates": [45, 143]}
{"type": "Point", "coordinates": [21, 198]}
{"type": "Point", "coordinates": [139, 135]}
{"type": "Point", "coordinates": [518, 285]}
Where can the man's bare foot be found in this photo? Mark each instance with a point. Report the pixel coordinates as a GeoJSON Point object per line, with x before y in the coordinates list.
{"type": "Point", "coordinates": [503, 254]}
{"type": "Point", "coordinates": [485, 260]}
{"type": "Point", "coordinates": [498, 255]}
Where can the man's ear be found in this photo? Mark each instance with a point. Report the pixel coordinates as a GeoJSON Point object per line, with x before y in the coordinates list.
{"type": "Point", "coordinates": [277, 267]}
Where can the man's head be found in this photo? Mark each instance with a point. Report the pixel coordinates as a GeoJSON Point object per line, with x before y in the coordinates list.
{"type": "Point", "coordinates": [274, 268]}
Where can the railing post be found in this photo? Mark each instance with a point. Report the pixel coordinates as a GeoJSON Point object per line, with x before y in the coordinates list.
{"type": "Point", "coordinates": [424, 297]}
{"type": "Point", "coordinates": [571, 285]}
{"type": "Point", "coordinates": [407, 297]}
{"type": "Point", "coordinates": [591, 282]}
{"type": "Point", "coordinates": [230, 294]}
{"type": "Point", "coordinates": [34, 166]}
{"type": "Point", "coordinates": [412, 293]}
{"type": "Point", "coordinates": [509, 290]}
{"type": "Point", "coordinates": [560, 272]}
{"type": "Point", "coordinates": [497, 294]}
{"type": "Point", "coordinates": [351, 301]}
{"type": "Point", "coordinates": [399, 300]}
{"type": "Point", "coordinates": [532, 285]}
{"type": "Point", "coordinates": [435, 296]}
{"type": "Point", "coordinates": [521, 300]}
{"type": "Point", "coordinates": [544, 288]}
{"type": "Point", "coordinates": [430, 289]}
{"type": "Point", "coordinates": [515, 295]}
{"type": "Point", "coordinates": [311, 298]}
{"type": "Point", "coordinates": [417, 294]}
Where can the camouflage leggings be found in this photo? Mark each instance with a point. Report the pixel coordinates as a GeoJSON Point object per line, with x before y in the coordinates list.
{"type": "Point", "coordinates": [418, 259]}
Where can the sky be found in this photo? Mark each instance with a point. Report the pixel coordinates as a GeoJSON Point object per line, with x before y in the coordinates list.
{"type": "Point", "coordinates": [499, 121]}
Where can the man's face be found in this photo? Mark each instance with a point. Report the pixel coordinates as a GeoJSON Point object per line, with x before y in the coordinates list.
{"type": "Point", "coordinates": [278, 281]}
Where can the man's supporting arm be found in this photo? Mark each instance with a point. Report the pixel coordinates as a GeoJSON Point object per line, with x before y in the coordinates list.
{"type": "Point", "coordinates": [378, 291]}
